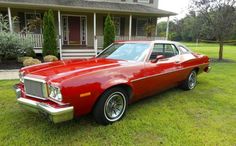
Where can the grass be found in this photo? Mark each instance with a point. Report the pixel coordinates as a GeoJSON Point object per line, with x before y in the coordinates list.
{"type": "Point", "coordinates": [203, 116]}
{"type": "Point", "coordinates": [213, 49]}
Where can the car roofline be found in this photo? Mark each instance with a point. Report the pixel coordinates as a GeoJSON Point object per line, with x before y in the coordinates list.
{"type": "Point", "coordinates": [147, 41]}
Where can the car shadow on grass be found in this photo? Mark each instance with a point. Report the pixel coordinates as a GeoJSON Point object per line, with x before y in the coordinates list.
{"type": "Point", "coordinates": [88, 120]}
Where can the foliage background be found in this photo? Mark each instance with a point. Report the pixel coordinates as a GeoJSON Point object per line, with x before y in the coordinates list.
{"type": "Point", "coordinates": [109, 32]}
{"type": "Point", "coordinates": [190, 29]}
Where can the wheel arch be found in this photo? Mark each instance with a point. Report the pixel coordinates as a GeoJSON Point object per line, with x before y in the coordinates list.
{"type": "Point", "coordinates": [128, 88]}
{"type": "Point", "coordinates": [197, 69]}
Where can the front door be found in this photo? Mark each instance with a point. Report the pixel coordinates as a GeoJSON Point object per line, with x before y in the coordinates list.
{"type": "Point", "coordinates": [163, 74]}
{"type": "Point", "coordinates": [74, 30]}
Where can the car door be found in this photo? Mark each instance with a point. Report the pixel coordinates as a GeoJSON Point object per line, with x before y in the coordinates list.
{"type": "Point", "coordinates": [164, 73]}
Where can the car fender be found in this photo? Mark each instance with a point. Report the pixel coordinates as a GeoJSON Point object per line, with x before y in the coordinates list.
{"type": "Point", "coordinates": [116, 82]}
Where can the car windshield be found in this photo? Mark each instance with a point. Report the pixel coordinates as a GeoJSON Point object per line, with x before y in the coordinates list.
{"type": "Point", "coordinates": [126, 51]}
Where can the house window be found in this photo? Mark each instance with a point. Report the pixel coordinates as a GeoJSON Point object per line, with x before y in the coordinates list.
{"type": "Point", "coordinates": [117, 25]}
{"type": "Point", "coordinates": [143, 1]}
{"type": "Point", "coordinates": [33, 22]}
{"type": "Point", "coordinates": [140, 27]}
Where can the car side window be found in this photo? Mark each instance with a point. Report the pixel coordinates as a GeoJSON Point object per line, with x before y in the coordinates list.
{"type": "Point", "coordinates": [167, 50]}
{"type": "Point", "coordinates": [170, 51]}
{"type": "Point", "coordinates": [184, 50]}
{"type": "Point", "coordinates": [158, 49]}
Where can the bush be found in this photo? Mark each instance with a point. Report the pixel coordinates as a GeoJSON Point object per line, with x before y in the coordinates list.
{"type": "Point", "coordinates": [13, 45]}
{"type": "Point", "coordinates": [30, 52]}
{"type": "Point", "coordinates": [29, 62]}
{"type": "Point", "coordinates": [22, 59]}
{"type": "Point", "coordinates": [50, 58]}
{"type": "Point", "coordinates": [109, 32]}
{"type": "Point", "coordinates": [49, 34]}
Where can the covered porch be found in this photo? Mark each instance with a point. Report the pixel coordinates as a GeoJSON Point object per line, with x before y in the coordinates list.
{"type": "Point", "coordinates": [80, 33]}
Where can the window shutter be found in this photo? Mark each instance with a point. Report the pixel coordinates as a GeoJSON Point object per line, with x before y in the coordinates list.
{"type": "Point", "coordinates": [122, 26]}
{"type": "Point", "coordinates": [151, 1]}
{"type": "Point", "coordinates": [134, 22]}
{"type": "Point", "coordinates": [21, 16]}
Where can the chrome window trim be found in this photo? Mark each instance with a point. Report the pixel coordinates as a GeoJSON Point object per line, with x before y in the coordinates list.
{"type": "Point", "coordinates": [152, 47]}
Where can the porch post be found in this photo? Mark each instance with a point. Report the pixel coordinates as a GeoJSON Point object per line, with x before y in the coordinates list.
{"type": "Point", "coordinates": [59, 34]}
{"type": "Point", "coordinates": [167, 28]}
{"type": "Point", "coordinates": [156, 27]}
{"type": "Point", "coordinates": [130, 27]}
{"type": "Point", "coordinates": [95, 33]}
{"type": "Point", "coordinates": [10, 19]}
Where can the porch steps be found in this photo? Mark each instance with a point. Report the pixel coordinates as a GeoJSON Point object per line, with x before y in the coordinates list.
{"type": "Point", "coordinates": [77, 53]}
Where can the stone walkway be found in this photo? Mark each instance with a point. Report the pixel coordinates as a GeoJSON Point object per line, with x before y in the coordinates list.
{"type": "Point", "coordinates": [9, 74]}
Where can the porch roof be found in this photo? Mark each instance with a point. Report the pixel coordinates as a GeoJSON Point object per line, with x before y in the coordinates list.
{"type": "Point", "coordinates": [83, 5]}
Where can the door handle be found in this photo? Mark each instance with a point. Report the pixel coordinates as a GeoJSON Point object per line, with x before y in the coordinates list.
{"type": "Point", "coordinates": [177, 62]}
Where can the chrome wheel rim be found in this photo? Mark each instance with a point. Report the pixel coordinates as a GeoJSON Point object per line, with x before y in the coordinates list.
{"type": "Point", "coordinates": [192, 80]}
{"type": "Point", "coordinates": [115, 106]}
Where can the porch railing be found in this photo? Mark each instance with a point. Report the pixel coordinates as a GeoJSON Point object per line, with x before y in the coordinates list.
{"type": "Point", "coordinates": [37, 39]}
{"type": "Point", "coordinates": [125, 38]}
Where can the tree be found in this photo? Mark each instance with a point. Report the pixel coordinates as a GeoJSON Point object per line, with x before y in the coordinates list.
{"type": "Point", "coordinates": [109, 32]}
{"type": "Point", "coordinates": [219, 17]}
{"type": "Point", "coordinates": [49, 34]}
{"type": "Point", "coordinates": [175, 29]}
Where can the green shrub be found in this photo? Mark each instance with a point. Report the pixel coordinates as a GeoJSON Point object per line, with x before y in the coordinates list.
{"type": "Point", "coordinates": [30, 52]}
{"type": "Point", "coordinates": [49, 34]}
{"type": "Point", "coordinates": [12, 45]}
{"type": "Point", "coordinates": [50, 58]}
{"type": "Point", "coordinates": [109, 32]}
{"type": "Point", "coordinates": [30, 61]}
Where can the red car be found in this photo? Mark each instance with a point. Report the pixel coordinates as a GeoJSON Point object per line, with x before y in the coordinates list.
{"type": "Point", "coordinates": [121, 74]}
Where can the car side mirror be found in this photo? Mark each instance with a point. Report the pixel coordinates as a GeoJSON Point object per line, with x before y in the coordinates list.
{"type": "Point", "coordinates": [158, 58]}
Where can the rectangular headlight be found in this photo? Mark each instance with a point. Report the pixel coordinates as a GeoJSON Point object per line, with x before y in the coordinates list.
{"type": "Point", "coordinates": [55, 93]}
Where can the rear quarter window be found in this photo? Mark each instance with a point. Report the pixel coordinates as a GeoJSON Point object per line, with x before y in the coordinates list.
{"type": "Point", "coordinates": [184, 50]}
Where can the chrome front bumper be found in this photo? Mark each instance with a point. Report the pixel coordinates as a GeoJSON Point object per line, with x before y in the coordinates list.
{"type": "Point", "coordinates": [56, 115]}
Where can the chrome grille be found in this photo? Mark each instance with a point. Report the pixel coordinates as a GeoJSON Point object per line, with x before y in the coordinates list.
{"type": "Point", "coordinates": [35, 88]}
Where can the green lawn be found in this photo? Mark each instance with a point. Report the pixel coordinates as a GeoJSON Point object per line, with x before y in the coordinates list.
{"type": "Point", "coordinates": [203, 116]}
{"type": "Point", "coordinates": [212, 50]}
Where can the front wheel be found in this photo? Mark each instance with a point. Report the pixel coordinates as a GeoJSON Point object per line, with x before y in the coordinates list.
{"type": "Point", "coordinates": [191, 82]}
{"type": "Point", "coordinates": [111, 106]}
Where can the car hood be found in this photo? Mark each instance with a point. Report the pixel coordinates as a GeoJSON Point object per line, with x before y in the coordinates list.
{"type": "Point", "coordinates": [70, 68]}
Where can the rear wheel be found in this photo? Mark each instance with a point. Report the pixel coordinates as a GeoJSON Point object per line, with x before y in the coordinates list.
{"type": "Point", "coordinates": [111, 106]}
{"type": "Point", "coordinates": [191, 82]}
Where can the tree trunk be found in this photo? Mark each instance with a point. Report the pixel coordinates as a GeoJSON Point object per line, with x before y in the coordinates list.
{"type": "Point", "coordinates": [221, 50]}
